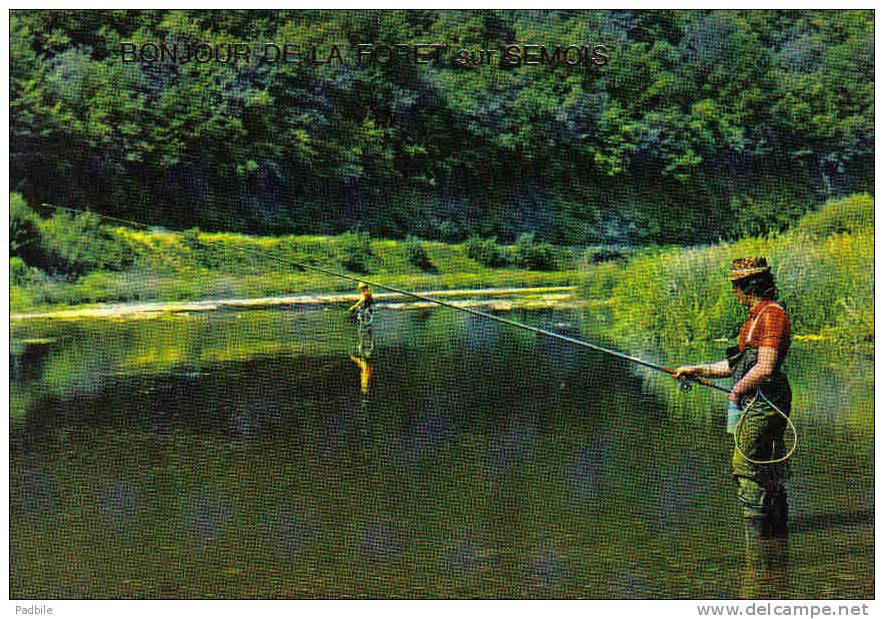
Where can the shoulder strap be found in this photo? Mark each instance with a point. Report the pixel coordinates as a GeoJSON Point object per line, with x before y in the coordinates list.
{"type": "Point", "coordinates": [757, 318]}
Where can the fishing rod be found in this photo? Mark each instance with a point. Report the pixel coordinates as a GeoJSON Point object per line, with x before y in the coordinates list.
{"type": "Point", "coordinates": [686, 382]}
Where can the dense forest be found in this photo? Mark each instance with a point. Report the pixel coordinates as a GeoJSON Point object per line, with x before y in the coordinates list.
{"type": "Point", "coordinates": [703, 125]}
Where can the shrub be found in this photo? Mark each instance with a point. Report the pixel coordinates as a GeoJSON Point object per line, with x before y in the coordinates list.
{"type": "Point", "coordinates": [847, 215]}
{"type": "Point", "coordinates": [448, 231]}
{"type": "Point", "coordinates": [775, 212]}
{"type": "Point", "coordinates": [534, 255]}
{"type": "Point", "coordinates": [355, 252]}
{"type": "Point", "coordinates": [595, 255]}
{"type": "Point", "coordinates": [20, 274]}
{"type": "Point", "coordinates": [24, 235]}
{"type": "Point", "coordinates": [191, 238]}
{"type": "Point", "coordinates": [417, 254]}
{"type": "Point", "coordinates": [75, 245]}
{"type": "Point", "coordinates": [486, 251]}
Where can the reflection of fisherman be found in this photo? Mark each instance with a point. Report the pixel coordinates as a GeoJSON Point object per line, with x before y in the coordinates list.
{"type": "Point", "coordinates": [365, 302]}
{"type": "Point", "coordinates": [756, 365]}
{"type": "Point", "coordinates": [364, 374]}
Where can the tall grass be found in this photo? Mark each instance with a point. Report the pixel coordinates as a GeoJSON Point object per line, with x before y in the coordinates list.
{"type": "Point", "coordinates": [823, 268]}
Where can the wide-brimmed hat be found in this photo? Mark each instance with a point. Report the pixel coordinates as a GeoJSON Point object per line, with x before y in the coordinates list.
{"type": "Point", "coordinates": [361, 286]}
{"type": "Point", "coordinates": [744, 267]}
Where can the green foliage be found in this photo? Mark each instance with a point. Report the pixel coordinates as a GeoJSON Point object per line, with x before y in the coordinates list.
{"type": "Point", "coordinates": [20, 274]}
{"type": "Point", "coordinates": [355, 252]}
{"type": "Point", "coordinates": [191, 238]}
{"type": "Point", "coordinates": [599, 281]}
{"type": "Point", "coordinates": [655, 147]}
{"type": "Point", "coordinates": [594, 255]}
{"type": "Point", "coordinates": [849, 215]}
{"type": "Point", "coordinates": [64, 244]}
{"type": "Point", "coordinates": [416, 253]}
{"type": "Point", "coordinates": [23, 232]}
{"type": "Point", "coordinates": [74, 245]}
{"type": "Point", "coordinates": [18, 271]}
{"type": "Point", "coordinates": [675, 295]}
{"type": "Point", "coordinates": [448, 231]}
{"type": "Point", "coordinates": [486, 251]}
{"type": "Point", "coordinates": [533, 254]}
{"type": "Point", "coordinates": [168, 267]}
{"type": "Point", "coordinates": [19, 299]}
{"type": "Point", "coordinates": [774, 212]}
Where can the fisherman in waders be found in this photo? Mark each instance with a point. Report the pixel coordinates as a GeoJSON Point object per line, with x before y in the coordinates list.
{"type": "Point", "coordinates": [760, 389]}
{"type": "Point", "coordinates": [365, 302]}
{"type": "Point", "coordinates": [362, 310]}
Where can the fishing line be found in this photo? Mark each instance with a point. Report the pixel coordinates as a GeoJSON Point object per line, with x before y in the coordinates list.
{"type": "Point", "coordinates": [738, 428]}
{"type": "Point", "coordinates": [686, 382]}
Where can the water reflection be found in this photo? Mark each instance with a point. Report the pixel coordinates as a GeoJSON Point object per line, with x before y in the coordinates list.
{"type": "Point", "coordinates": [382, 542]}
{"type": "Point", "coordinates": [263, 454]}
{"type": "Point", "coordinates": [291, 530]}
{"type": "Point", "coordinates": [119, 503]}
{"type": "Point", "coordinates": [547, 570]}
{"type": "Point", "coordinates": [365, 372]}
{"type": "Point", "coordinates": [204, 516]}
{"type": "Point", "coordinates": [36, 490]}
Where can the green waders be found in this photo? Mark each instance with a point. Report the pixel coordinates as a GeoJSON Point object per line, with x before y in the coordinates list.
{"type": "Point", "coordinates": [761, 488]}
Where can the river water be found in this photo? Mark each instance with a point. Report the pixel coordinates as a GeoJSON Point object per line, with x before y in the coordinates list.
{"type": "Point", "coordinates": [257, 454]}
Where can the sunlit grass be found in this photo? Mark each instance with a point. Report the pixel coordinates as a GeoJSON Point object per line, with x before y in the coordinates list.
{"type": "Point", "coordinates": [199, 265]}
{"type": "Point", "coordinates": [824, 269]}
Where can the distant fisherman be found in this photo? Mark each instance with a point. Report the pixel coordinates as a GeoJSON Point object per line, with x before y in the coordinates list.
{"type": "Point", "coordinates": [365, 344]}
{"type": "Point", "coordinates": [756, 365]}
{"type": "Point", "coordinates": [366, 300]}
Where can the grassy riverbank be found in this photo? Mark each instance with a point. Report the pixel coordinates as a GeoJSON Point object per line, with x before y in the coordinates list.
{"type": "Point", "coordinates": [823, 265]}
{"type": "Point", "coordinates": [824, 268]}
{"type": "Point", "coordinates": [66, 261]}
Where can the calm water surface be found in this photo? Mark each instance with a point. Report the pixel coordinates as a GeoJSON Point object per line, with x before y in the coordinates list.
{"type": "Point", "coordinates": [255, 454]}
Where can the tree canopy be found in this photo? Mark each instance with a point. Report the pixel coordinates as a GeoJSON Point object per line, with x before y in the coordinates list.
{"type": "Point", "coordinates": [702, 125]}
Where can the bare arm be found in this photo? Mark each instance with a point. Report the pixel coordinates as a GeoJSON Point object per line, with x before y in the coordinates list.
{"type": "Point", "coordinates": [709, 370]}
{"type": "Point", "coordinates": [761, 371]}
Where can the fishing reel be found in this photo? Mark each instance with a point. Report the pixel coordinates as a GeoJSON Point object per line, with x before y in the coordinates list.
{"type": "Point", "coordinates": [685, 384]}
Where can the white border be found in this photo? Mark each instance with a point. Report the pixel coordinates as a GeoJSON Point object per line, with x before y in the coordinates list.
{"type": "Point", "coordinates": [360, 609]}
